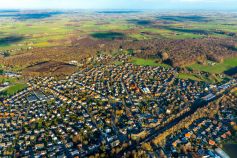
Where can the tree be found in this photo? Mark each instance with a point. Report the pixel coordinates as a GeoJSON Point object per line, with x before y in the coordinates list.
{"type": "Point", "coordinates": [1, 72]}
{"type": "Point", "coordinates": [165, 56]}
{"type": "Point", "coordinates": [6, 54]}
{"type": "Point", "coordinates": [131, 52]}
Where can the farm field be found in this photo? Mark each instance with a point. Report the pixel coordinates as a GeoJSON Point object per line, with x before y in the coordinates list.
{"type": "Point", "coordinates": [218, 67]}
{"type": "Point", "coordinates": [31, 37]}
{"type": "Point", "coordinates": [52, 68]}
{"type": "Point", "coordinates": [24, 30]}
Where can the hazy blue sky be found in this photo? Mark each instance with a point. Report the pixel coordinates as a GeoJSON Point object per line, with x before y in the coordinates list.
{"type": "Point", "coordinates": [119, 4]}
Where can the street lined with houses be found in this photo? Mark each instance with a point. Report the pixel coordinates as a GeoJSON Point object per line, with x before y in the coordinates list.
{"type": "Point", "coordinates": [105, 109]}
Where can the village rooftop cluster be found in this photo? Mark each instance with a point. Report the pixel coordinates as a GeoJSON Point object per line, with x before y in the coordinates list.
{"type": "Point", "coordinates": [101, 108]}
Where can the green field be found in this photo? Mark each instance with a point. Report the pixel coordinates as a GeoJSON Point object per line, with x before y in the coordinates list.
{"type": "Point", "coordinates": [171, 34]}
{"type": "Point", "coordinates": [196, 77]}
{"type": "Point", "coordinates": [15, 85]}
{"type": "Point", "coordinates": [139, 36]}
{"type": "Point", "coordinates": [15, 88]}
{"type": "Point", "coordinates": [10, 80]}
{"type": "Point", "coordinates": [188, 76]}
{"type": "Point", "coordinates": [147, 62]}
{"type": "Point", "coordinates": [24, 32]}
{"type": "Point", "coordinates": [218, 67]}
{"type": "Point", "coordinates": [118, 63]}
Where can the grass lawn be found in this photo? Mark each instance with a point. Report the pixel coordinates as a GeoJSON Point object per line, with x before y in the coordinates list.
{"type": "Point", "coordinates": [196, 77]}
{"type": "Point", "coordinates": [147, 62]}
{"type": "Point", "coordinates": [188, 76]}
{"type": "Point", "coordinates": [4, 79]}
{"type": "Point", "coordinates": [218, 67]}
{"type": "Point", "coordinates": [118, 63]}
{"type": "Point", "coordinates": [15, 88]}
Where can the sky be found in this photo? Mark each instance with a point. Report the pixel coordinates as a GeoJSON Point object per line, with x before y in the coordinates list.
{"type": "Point", "coordinates": [119, 4]}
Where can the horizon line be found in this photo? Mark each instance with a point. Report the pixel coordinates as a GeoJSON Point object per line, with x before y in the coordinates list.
{"type": "Point", "coordinates": [122, 9]}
